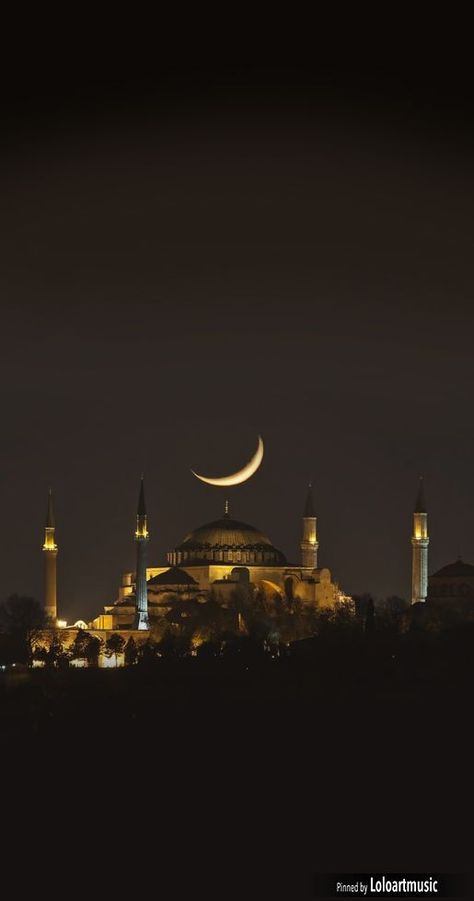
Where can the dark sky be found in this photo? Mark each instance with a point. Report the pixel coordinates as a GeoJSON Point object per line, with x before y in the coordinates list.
{"type": "Point", "coordinates": [192, 254]}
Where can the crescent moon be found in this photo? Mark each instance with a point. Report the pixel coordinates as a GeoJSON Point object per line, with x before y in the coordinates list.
{"type": "Point", "coordinates": [237, 477]}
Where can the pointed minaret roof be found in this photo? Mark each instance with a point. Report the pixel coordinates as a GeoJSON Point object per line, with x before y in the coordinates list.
{"type": "Point", "coordinates": [50, 524]}
{"type": "Point", "coordinates": [309, 505]}
{"type": "Point", "coordinates": [141, 511]}
{"type": "Point", "coordinates": [420, 506]}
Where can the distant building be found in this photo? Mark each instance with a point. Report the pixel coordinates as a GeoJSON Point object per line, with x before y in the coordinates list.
{"type": "Point", "coordinates": [452, 588]}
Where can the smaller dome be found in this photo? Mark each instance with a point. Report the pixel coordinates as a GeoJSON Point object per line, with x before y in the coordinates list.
{"type": "Point", "coordinates": [172, 576]}
{"type": "Point", "coordinates": [454, 570]}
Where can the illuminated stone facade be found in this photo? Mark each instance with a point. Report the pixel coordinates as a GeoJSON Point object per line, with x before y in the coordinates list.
{"type": "Point", "coordinates": [66, 636]}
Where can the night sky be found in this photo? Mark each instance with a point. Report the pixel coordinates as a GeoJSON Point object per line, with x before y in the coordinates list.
{"type": "Point", "coordinates": [192, 255]}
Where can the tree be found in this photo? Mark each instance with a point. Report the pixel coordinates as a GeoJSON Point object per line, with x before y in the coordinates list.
{"type": "Point", "coordinates": [174, 644]}
{"type": "Point", "coordinates": [396, 605]}
{"type": "Point", "coordinates": [343, 619]}
{"type": "Point", "coordinates": [243, 648]}
{"type": "Point", "coordinates": [158, 627]}
{"type": "Point", "coordinates": [209, 621]}
{"type": "Point", "coordinates": [85, 647]}
{"type": "Point", "coordinates": [293, 619]}
{"type": "Point", "coordinates": [362, 603]}
{"type": "Point", "coordinates": [209, 648]}
{"type": "Point", "coordinates": [254, 610]}
{"type": "Point", "coordinates": [396, 612]}
{"type": "Point", "coordinates": [147, 653]}
{"type": "Point", "coordinates": [370, 617]}
{"type": "Point", "coordinates": [114, 645]}
{"type": "Point", "coordinates": [40, 653]}
{"type": "Point", "coordinates": [92, 649]}
{"type": "Point", "coordinates": [131, 653]}
{"type": "Point", "coordinates": [55, 652]}
{"type": "Point", "coordinates": [22, 619]}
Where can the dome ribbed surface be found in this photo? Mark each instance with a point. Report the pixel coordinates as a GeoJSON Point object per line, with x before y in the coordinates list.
{"type": "Point", "coordinates": [224, 536]}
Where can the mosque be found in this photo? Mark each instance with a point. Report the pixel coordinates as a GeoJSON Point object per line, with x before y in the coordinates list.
{"type": "Point", "coordinates": [228, 559]}
{"type": "Point", "coordinates": [213, 562]}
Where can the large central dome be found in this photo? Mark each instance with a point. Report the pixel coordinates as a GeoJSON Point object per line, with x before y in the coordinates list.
{"type": "Point", "coordinates": [226, 541]}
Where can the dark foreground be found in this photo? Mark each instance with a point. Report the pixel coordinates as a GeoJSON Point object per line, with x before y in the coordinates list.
{"type": "Point", "coordinates": [258, 774]}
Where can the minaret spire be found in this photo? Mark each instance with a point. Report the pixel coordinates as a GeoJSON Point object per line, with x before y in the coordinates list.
{"type": "Point", "coordinates": [309, 505]}
{"type": "Point", "coordinates": [141, 538]}
{"type": "Point", "coordinates": [141, 509]}
{"type": "Point", "coordinates": [420, 542]}
{"type": "Point", "coordinates": [420, 504]}
{"type": "Point", "coordinates": [309, 543]}
{"type": "Point", "coordinates": [50, 551]}
{"type": "Point", "coordinates": [50, 524]}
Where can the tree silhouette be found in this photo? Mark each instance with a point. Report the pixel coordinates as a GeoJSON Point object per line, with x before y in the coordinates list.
{"type": "Point", "coordinates": [22, 619]}
{"type": "Point", "coordinates": [362, 602]}
{"type": "Point", "coordinates": [114, 645]}
{"type": "Point", "coordinates": [55, 652]}
{"type": "Point", "coordinates": [85, 647]}
{"type": "Point", "coordinates": [131, 653]}
{"type": "Point", "coordinates": [40, 653]}
{"type": "Point", "coordinates": [92, 649]}
{"type": "Point", "coordinates": [147, 653]}
{"type": "Point", "coordinates": [174, 644]}
{"type": "Point", "coordinates": [370, 616]}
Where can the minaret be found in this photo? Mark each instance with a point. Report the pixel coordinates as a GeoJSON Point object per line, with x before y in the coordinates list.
{"type": "Point", "coordinates": [309, 544]}
{"type": "Point", "coordinates": [141, 538]}
{"type": "Point", "coordinates": [50, 550]}
{"type": "Point", "coordinates": [420, 542]}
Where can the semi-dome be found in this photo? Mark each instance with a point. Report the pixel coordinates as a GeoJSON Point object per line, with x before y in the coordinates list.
{"type": "Point", "coordinates": [226, 540]}
{"type": "Point", "coordinates": [172, 576]}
